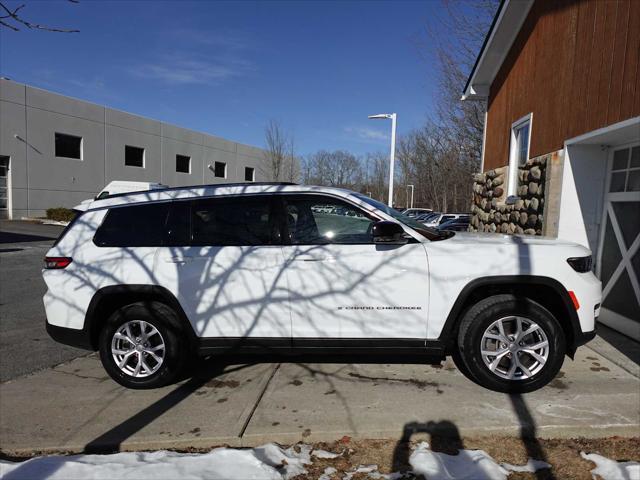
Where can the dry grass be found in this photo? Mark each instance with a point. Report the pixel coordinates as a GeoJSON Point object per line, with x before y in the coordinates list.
{"type": "Point", "coordinates": [562, 454]}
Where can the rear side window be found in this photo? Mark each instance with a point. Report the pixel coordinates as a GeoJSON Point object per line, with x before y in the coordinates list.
{"type": "Point", "coordinates": [236, 221]}
{"type": "Point", "coordinates": [134, 226]}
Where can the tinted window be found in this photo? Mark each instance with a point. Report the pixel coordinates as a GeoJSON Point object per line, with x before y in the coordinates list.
{"type": "Point", "coordinates": [178, 226]}
{"type": "Point", "coordinates": [233, 221]}
{"type": "Point", "coordinates": [313, 219]}
{"type": "Point", "coordinates": [134, 226]}
{"type": "Point", "coordinates": [68, 146]}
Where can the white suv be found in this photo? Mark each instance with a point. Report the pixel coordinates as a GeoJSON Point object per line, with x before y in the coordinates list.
{"type": "Point", "coordinates": [151, 278]}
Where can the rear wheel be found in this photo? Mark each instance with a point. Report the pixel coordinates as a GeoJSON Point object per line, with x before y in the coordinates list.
{"type": "Point", "coordinates": [142, 346]}
{"type": "Point", "coordinates": [511, 344]}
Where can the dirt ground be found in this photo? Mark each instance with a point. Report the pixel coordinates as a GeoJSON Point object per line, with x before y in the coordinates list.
{"type": "Point", "coordinates": [562, 454]}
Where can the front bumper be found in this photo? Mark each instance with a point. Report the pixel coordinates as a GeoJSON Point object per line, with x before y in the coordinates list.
{"type": "Point", "coordinates": [584, 337]}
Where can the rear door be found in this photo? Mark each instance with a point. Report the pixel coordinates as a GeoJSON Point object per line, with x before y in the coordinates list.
{"type": "Point", "coordinates": [341, 284]}
{"type": "Point", "coordinates": [228, 274]}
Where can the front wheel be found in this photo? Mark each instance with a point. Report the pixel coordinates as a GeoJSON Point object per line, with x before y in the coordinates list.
{"type": "Point", "coordinates": [142, 346]}
{"type": "Point", "coordinates": [511, 344]}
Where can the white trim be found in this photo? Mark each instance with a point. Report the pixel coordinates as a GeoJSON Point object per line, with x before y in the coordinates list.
{"type": "Point", "coordinates": [9, 201]}
{"type": "Point", "coordinates": [617, 321]}
{"type": "Point", "coordinates": [513, 153]}
{"type": "Point", "coordinates": [601, 131]}
{"type": "Point", "coordinates": [484, 139]}
{"type": "Point", "coordinates": [503, 33]}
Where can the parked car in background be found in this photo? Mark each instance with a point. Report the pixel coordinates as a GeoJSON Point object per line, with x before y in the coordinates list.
{"type": "Point", "coordinates": [150, 279]}
{"type": "Point", "coordinates": [414, 212]}
{"type": "Point", "coordinates": [455, 225]}
{"type": "Point", "coordinates": [439, 219]}
{"type": "Point", "coordinates": [425, 216]}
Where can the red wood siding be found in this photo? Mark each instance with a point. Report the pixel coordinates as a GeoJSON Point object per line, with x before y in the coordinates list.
{"type": "Point", "coordinates": [574, 64]}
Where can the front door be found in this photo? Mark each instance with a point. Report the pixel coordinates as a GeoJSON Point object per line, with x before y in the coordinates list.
{"type": "Point", "coordinates": [341, 284]}
{"type": "Point", "coordinates": [4, 186]}
{"type": "Point", "coordinates": [619, 256]}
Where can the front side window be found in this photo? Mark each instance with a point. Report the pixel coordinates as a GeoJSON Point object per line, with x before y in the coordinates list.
{"type": "Point", "coordinates": [518, 151]}
{"type": "Point", "coordinates": [68, 146]}
{"type": "Point", "coordinates": [133, 156]}
{"type": "Point", "coordinates": [318, 220]}
{"type": "Point", "coordinates": [239, 221]}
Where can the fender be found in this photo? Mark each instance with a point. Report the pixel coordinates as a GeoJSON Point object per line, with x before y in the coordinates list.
{"type": "Point", "coordinates": [575, 336]}
{"type": "Point", "coordinates": [130, 294]}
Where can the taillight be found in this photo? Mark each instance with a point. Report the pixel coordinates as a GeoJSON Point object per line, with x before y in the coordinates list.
{"type": "Point", "coordinates": [57, 262]}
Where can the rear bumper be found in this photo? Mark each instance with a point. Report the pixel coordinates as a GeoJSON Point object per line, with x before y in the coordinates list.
{"type": "Point", "coordinates": [70, 336]}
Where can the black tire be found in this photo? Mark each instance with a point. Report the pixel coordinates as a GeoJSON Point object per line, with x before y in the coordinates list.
{"type": "Point", "coordinates": [481, 316]}
{"type": "Point", "coordinates": [166, 322]}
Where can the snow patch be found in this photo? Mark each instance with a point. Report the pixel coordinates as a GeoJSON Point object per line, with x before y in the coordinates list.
{"type": "Point", "coordinates": [324, 454]}
{"type": "Point", "coordinates": [268, 462]}
{"type": "Point", "coordinates": [612, 470]}
{"type": "Point", "coordinates": [467, 464]}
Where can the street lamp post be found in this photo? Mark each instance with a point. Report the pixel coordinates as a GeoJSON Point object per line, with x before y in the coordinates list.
{"type": "Point", "coordinates": [411, 205]}
{"type": "Point", "coordinates": [392, 156]}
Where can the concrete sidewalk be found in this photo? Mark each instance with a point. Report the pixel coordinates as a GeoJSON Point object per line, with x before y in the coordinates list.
{"type": "Point", "coordinates": [76, 407]}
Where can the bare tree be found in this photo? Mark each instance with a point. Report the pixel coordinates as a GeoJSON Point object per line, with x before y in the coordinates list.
{"type": "Point", "coordinates": [278, 149]}
{"type": "Point", "coordinates": [12, 19]}
{"type": "Point", "coordinates": [466, 23]}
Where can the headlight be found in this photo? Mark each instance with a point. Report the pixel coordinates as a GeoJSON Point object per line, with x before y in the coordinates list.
{"type": "Point", "coordinates": [581, 264]}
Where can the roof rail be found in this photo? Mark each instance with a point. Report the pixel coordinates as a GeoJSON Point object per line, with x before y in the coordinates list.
{"type": "Point", "coordinates": [210, 185]}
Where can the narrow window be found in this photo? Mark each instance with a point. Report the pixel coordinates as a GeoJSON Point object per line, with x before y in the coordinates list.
{"type": "Point", "coordinates": [68, 146]}
{"type": "Point", "coordinates": [183, 164]}
{"type": "Point", "coordinates": [249, 174]}
{"type": "Point", "coordinates": [133, 156]}
{"type": "Point", "coordinates": [220, 169]}
{"type": "Point", "coordinates": [518, 151]}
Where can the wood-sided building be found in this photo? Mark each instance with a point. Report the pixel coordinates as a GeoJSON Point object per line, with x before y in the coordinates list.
{"type": "Point", "coordinates": [561, 153]}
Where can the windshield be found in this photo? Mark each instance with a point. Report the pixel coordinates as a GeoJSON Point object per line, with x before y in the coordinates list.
{"type": "Point", "coordinates": [427, 232]}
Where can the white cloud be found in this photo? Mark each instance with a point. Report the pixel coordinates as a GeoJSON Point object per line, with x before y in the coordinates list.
{"type": "Point", "coordinates": [183, 71]}
{"type": "Point", "coordinates": [369, 134]}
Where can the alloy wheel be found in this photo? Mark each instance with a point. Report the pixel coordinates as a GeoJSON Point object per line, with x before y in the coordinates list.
{"type": "Point", "coordinates": [138, 348]}
{"type": "Point", "coordinates": [514, 348]}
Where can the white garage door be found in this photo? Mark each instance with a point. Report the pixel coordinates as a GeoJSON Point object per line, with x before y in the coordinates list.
{"type": "Point", "coordinates": [619, 260]}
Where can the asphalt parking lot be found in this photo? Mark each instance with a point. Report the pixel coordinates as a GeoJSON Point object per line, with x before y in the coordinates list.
{"type": "Point", "coordinates": [25, 346]}
{"type": "Point", "coordinates": [58, 399]}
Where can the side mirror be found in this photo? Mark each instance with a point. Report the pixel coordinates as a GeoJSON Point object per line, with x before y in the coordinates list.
{"type": "Point", "coordinates": [389, 233]}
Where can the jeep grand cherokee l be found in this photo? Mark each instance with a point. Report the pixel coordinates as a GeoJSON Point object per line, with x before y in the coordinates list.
{"type": "Point", "coordinates": [151, 278]}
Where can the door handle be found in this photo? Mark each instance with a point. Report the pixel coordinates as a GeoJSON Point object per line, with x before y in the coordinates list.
{"type": "Point", "coordinates": [179, 260]}
{"type": "Point", "coordinates": [315, 259]}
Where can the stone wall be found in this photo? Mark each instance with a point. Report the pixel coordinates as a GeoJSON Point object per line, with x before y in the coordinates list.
{"type": "Point", "coordinates": [493, 212]}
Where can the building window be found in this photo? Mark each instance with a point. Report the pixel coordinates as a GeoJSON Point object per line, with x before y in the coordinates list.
{"type": "Point", "coordinates": [183, 164]}
{"type": "Point", "coordinates": [518, 151]}
{"type": "Point", "coordinates": [249, 174]}
{"type": "Point", "coordinates": [133, 156]}
{"type": "Point", "coordinates": [220, 169]}
{"type": "Point", "coordinates": [68, 146]}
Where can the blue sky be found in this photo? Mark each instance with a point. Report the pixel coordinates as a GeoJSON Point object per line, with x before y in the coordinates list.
{"type": "Point", "coordinates": [227, 68]}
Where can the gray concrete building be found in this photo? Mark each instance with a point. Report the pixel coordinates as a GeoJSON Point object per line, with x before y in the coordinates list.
{"type": "Point", "coordinates": [56, 151]}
